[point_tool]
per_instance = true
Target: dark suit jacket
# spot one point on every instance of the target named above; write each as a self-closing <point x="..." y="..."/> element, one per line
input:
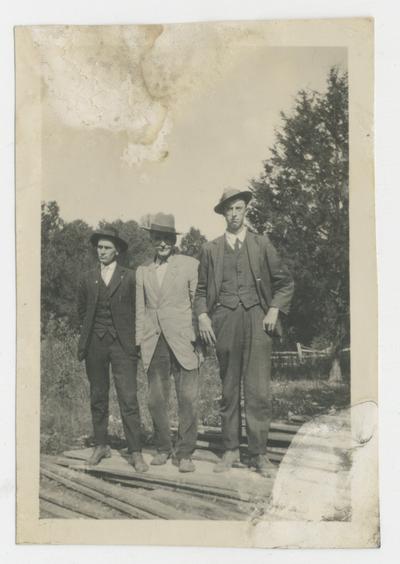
<point x="122" y="298"/>
<point x="273" y="281"/>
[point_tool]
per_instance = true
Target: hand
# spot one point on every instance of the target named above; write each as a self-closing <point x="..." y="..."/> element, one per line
<point x="205" y="329"/>
<point x="270" y="320"/>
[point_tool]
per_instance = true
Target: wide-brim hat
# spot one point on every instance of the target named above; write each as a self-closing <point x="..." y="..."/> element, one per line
<point x="232" y="194"/>
<point x="109" y="233"/>
<point x="162" y="223"/>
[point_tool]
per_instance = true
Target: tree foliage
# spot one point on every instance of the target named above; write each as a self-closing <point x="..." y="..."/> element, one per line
<point x="301" y="199"/>
<point x="66" y="253"/>
<point x="139" y="245"/>
<point x="192" y="242"/>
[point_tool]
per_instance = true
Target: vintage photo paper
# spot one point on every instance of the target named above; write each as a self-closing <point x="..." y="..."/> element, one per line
<point x="247" y="418"/>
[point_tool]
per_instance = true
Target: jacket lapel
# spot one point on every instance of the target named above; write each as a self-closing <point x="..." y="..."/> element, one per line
<point x="152" y="278"/>
<point x="96" y="281"/>
<point x="217" y="255"/>
<point x="253" y="252"/>
<point x="116" y="279"/>
<point x="169" y="276"/>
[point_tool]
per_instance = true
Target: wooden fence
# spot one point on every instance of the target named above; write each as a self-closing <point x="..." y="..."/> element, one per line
<point x="303" y="356"/>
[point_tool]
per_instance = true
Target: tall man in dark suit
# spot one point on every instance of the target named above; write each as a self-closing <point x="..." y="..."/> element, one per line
<point x="106" y="308"/>
<point x="242" y="290"/>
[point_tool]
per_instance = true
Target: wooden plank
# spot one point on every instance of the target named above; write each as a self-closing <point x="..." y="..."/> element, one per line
<point x="181" y="482"/>
<point x="64" y="499"/>
<point x="273" y="437"/>
<point x="157" y="474"/>
<point x="92" y="493"/>
<point x="279" y="426"/>
<point x="283" y="427"/>
<point x="206" y="507"/>
<point x="50" y="510"/>
<point x="213" y="441"/>
<point x="137" y="505"/>
<point x="43" y="514"/>
<point x="274" y="453"/>
<point x="300" y="418"/>
<point x="229" y="505"/>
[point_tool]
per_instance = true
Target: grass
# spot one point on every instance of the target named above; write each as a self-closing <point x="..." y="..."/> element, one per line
<point x="65" y="407"/>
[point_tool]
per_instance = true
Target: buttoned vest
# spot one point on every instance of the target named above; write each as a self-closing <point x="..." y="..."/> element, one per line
<point x="238" y="284"/>
<point x="103" y="321"/>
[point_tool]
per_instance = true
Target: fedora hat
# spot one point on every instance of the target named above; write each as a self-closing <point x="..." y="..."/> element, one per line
<point x="232" y="194"/>
<point x="110" y="233"/>
<point x="163" y="223"/>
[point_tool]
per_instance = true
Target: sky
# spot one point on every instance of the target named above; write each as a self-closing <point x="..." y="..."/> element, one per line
<point x="166" y="133"/>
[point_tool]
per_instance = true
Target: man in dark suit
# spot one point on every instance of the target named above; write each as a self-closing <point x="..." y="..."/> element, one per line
<point x="243" y="289"/>
<point x="106" y="308"/>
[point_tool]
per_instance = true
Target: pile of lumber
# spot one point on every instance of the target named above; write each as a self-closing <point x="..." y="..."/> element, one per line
<point x="113" y="490"/>
<point x="279" y="439"/>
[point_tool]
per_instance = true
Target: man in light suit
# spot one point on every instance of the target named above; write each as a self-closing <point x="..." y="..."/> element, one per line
<point x="243" y="290"/>
<point x="106" y="305"/>
<point x="165" y="291"/>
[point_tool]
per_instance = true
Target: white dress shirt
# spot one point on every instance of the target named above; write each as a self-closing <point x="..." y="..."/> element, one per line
<point x="231" y="237"/>
<point x="161" y="269"/>
<point x="107" y="270"/>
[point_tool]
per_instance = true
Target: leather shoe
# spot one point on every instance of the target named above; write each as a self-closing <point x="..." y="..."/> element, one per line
<point x="186" y="465"/>
<point x="263" y="465"/>
<point x="137" y="461"/>
<point x="228" y="459"/>
<point x="99" y="452"/>
<point x="160" y="458"/>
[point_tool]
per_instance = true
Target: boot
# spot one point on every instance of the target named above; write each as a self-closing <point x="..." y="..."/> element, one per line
<point x="263" y="465"/>
<point x="99" y="452"/>
<point x="137" y="461"/>
<point x="186" y="465"/>
<point x="228" y="459"/>
<point x="160" y="458"/>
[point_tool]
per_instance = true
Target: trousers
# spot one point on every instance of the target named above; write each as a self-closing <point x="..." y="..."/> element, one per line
<point x="159" y="372"/>
<point x="244" y="355"/>
<point x="103" y="353"/>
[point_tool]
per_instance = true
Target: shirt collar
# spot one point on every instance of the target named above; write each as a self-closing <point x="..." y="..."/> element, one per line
<point x="110" y="266"/>
<point x="231" y="237"/>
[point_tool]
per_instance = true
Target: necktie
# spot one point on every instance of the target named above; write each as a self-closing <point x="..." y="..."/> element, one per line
<point x="237" y="245"/>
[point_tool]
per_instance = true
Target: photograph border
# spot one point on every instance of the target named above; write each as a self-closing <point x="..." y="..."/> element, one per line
<point x="357" y="35"/>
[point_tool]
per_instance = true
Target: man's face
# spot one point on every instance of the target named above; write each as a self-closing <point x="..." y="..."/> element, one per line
<point x="234" y="213"/>
<point x="106" y="251"/>
<point x="163" y="243"/>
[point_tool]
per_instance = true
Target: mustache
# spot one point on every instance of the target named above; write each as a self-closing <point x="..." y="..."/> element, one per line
<point x="162" y="246"/>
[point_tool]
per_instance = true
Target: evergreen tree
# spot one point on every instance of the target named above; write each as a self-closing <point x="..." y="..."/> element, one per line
<point x="301" y="199"/>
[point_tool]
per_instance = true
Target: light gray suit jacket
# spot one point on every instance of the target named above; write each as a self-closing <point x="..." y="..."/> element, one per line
<point x="168" y="309"/>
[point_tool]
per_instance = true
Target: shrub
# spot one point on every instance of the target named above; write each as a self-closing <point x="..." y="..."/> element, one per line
<point x="65" y="402"/>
